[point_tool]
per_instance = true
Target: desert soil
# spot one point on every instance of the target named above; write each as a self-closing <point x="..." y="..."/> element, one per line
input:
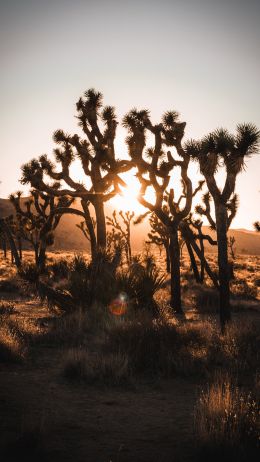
<point x="147" y="422"/>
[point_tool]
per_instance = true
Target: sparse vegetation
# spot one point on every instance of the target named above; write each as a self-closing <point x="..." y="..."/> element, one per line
<point x="76" y="329"/>
<point x="226" y="423"/>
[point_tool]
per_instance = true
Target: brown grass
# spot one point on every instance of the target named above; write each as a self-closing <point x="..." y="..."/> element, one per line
<point x="226" y="422"/>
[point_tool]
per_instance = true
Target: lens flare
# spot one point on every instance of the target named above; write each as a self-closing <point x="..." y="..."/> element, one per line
<point x="118" y="306"/>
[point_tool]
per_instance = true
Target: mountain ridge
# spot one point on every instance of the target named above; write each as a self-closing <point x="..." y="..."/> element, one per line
<point x="69" y="237"/>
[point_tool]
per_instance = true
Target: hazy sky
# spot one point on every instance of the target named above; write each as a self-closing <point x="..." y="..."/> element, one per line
<point x="200" y="57"/>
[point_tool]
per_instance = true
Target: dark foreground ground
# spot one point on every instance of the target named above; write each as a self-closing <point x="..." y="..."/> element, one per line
<point x="45" y="417"/>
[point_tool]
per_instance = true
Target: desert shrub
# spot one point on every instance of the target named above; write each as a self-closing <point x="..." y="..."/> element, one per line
<point x="7" y="308"/>
<point x="57" y="299"/>
<point x="241" y="288"/>
<point x="59" y="269"/>
<point x="236" y="351"/>
<point x="70" y="330"/>
<point x="140" y="282"/>
<point x="158" y="347"/>
<point x="108" y="369"/>
<point x="94" y="281"/>
<point x="206" y="300"/>
<point x="29" y="272"/>
<point x="257" y="282"/>
<point x="226" y="423"/>
<point x="12" y="348"/>
<point x="9" y="285"/>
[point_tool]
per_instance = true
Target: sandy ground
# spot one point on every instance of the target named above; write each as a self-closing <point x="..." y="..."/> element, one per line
<point x="151" y="421"/>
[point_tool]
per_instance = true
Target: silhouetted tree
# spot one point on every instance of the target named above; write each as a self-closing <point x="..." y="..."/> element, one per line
<point x="37" y="218"/>
<point x="220" y="148"/>
<point x="153" y="170"/>
<point x="120" y="234"/>
<point x="160" y="236"/>
<point x="257" y="226"/>
<point x="6" y="230"/>
<point x="100" y="166"/>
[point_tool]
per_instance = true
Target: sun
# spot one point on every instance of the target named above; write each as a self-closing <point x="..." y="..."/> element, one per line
<point x="128" y="200"/>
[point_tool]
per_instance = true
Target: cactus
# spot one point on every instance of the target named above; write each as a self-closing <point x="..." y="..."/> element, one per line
<point x="218" y="150"/>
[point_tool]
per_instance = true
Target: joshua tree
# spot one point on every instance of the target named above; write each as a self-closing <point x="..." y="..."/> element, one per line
<point x="153" y="170"/>
<point x="3" y="242"/>
<point x="6" y="231"/>
<point x="257" y="226"/>
<point x="120" y="235"/>
<point x="221" y="149"/>
<point x="37" y="218"/>
<point x="85" y="229"/>
<point x="231" y="243"/>
<point x="100" y="166"/>
<point x="160" y="236"/>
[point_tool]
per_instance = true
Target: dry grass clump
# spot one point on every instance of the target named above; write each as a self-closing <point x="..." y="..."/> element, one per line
<point x="165" y="348"/>
<point x="241" y="288"/>
<point x="238" y="349"/>
<point x="206" y="300"/>
<point x="159" y="347"/>
<point x="9" y="285"/>
<point x="108" y="369"/>
<point x="227" y="423"/>
<point x="12" y="347"/>
<point x="70" y="330"/>
<point x="6" y="308"/>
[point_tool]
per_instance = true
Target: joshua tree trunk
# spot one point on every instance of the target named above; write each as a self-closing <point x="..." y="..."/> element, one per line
<point x="168" y="262"/>
<point x="190" y="238"/>
<point x="202" y="265"/>
<point x="4" y="247"/>
<point x="42" y="256"/>
<point x="221" y="225"/>
<point x="9" y="236"/>
<point x="20" y="247"/>
<point x="101" y="224"/>
<point x="175" y="272"/>
<point x="36" y="253"/>
<point x="193" y="262"/>
<point x="91" y="230"/>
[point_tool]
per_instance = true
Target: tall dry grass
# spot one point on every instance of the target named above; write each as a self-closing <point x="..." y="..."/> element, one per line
<point x="227" y="422"/>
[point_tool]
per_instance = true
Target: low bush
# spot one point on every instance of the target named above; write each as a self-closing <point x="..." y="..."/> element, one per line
<point x="59" y="269"/>
<point x="12" y="347"/>
<point x="226" y="423"/>
<point x="29" y="272"/>
<point x="241" y="288"/>
<point x="158" y="347"/>
<point x="206" y="300"/>
<point x="6" y="308"/>
<point x="109" y="369"/>
<point x="9" y="285"/>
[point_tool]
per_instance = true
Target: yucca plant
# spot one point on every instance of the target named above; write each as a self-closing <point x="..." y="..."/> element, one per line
<point x="140" y="282"/>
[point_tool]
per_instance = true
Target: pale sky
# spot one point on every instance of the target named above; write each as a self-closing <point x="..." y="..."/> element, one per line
<point x="200" y="57"/>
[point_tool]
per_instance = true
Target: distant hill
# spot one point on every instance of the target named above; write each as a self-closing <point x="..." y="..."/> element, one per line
<point x="69" y="237"/>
